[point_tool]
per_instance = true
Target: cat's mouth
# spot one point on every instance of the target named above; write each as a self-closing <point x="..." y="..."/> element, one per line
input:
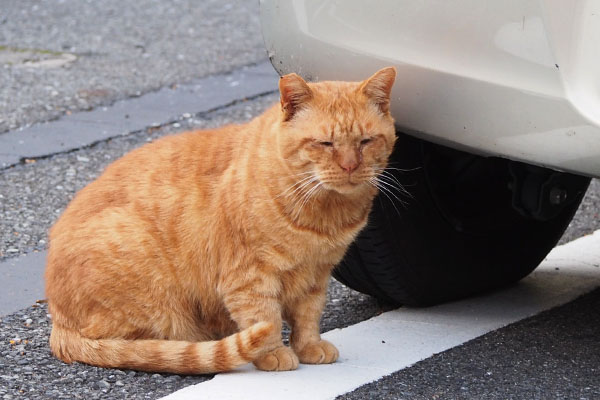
<point x="347" y="185"/>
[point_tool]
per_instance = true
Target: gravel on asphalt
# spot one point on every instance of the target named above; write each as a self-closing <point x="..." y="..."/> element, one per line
<point x="61" y="56"/>
<point x="29" y="371"/>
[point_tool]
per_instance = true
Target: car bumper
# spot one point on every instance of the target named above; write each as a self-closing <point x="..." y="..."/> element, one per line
<point x="518" y="79"/>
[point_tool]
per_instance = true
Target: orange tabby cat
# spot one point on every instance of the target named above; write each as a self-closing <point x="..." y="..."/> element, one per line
<point x="187" y="253"/>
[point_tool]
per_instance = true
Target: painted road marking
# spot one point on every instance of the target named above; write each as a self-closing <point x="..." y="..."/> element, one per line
<point x="398" y="339"/>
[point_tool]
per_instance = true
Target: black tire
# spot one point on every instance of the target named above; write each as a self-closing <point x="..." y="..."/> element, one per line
<point x="463" y="229"/>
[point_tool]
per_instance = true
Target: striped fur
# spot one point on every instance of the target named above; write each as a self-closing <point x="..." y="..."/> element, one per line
<point x="175" y="356"/>
<point x="187" y="254"/>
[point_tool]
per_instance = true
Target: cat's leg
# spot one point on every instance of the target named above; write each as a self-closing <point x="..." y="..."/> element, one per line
<point x="304" y="314"/>
<point x="256" y="300"/>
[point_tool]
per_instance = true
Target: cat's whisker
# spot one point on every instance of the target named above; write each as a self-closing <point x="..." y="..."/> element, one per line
<point x="371" y="181"/>
<point x="399" y="188"/>
<point x="385" y="174"/>
<point x="297" y="185"/>
<point x="388" y="177"/>
<point x="374" y="182"/>
<point x="401" y="169"/>
<point x="393" y="186"/>
<point x="302" y="188"/>
<point x="298" y="195"/>
<point x="301" y="173"/>
<point x="313" y="192"/>
<point x="385" y="193"/>
<point x="389" y="188"/>
<point x="303" y="179"/>
<point x="310" y="193"/>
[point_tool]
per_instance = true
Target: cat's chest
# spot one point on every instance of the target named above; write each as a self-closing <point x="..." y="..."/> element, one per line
<point x="328" y="244"/>
<point x="305" y="252"/>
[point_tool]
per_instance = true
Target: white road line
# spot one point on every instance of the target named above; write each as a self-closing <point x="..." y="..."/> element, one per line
<point x="397" y="339"/>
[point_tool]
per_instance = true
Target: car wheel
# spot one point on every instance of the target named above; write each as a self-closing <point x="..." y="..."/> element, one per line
<point x="468" y="224"/>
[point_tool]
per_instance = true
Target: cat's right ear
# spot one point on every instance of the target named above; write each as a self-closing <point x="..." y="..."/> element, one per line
<point x="294" y="94"/>
<point x="378" y="88"/>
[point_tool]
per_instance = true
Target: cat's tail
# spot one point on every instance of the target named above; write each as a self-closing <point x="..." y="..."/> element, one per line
<point x="173" y="356"/>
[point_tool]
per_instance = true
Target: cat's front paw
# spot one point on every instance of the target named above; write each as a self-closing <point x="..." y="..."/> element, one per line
<point x="280" y="359"/>
<point x="321" y="352"/>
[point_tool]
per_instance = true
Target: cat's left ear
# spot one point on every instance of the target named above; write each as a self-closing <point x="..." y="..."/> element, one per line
<point x="294" y="94"/>
<point x="378" y="88"/>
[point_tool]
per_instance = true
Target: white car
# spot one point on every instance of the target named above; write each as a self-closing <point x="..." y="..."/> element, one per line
<point x="497" y="105"/>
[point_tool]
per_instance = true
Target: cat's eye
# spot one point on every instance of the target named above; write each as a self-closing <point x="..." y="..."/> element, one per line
<point x="326" y="144"/>
<point x="365" y="141"/>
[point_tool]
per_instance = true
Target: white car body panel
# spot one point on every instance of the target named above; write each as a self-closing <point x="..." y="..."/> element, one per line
<point x="513" y="78"/>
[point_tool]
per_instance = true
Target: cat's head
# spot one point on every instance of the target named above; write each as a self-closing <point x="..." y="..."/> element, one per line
<point x="339" y="133"/>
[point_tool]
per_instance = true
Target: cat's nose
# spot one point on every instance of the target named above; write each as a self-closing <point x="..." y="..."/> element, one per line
<point x="349" y="167"/>
<point x="348" y="159"/>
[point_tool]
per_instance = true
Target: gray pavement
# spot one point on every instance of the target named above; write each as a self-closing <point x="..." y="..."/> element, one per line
<point x="61" y="56"/>
<point x="153" y="109"/>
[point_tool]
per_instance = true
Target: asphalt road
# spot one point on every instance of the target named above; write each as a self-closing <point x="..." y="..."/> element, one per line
<point x="124" y="49"/>
<point x="60" y="56"/>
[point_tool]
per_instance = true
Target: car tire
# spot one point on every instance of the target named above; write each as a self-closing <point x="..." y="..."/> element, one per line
<point x="468" y="224"/>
